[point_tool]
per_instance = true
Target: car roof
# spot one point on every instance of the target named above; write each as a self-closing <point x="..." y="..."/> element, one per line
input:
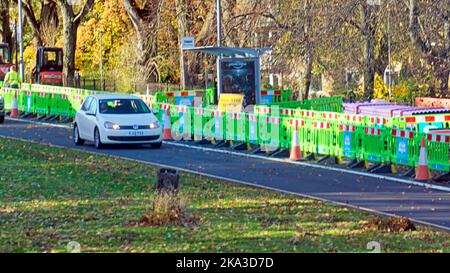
<point x="113" y="96"/>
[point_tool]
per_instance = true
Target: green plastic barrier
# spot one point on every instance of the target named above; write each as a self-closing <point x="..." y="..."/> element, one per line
<point x="8" y="96"/>
<point x="276" y="95"/>
<point x="269" y="131"/>
<point x="53" y="102"/>
<point x="352" y="119"/>
<point x="350" y="141"/>
<point x="286" y="133"/>
<point x="41" y="106"/>
<point x="235" y="127"/>
<point x="64" y="106"/>
<point x="375" y="145"/>
<point x="26" y="101"/>
<point x="405" y="147"/>
<point x="420" y="122"/>
<point x="170" y="97"/>
<point x="182" y="122"/>
<point x="438" y="148"/>
<point x="252" y="129"/>
<point x="214" y="128"/>
<point x="330" y="116"/>
<point x="379" y="122"/>
<point x="163" y="109"/>
<point x="75" y="102"/>
<point x="26" y="87"/>
<point x="309" y="114"/>
<point x="332" y="104"/>
<point x="307" y="139"/>
<point x="322" y="134"/>
<point x="275" y="110"/>
<point x="199" y="123"/>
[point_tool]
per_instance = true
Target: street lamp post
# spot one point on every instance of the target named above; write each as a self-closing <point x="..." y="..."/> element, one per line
<point x="101" y="61"/>
<point x="389" y="51"/>
<point x="20" y="39"/>
<point x="219" y="44"/>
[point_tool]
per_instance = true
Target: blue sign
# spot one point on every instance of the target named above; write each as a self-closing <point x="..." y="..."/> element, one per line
<point x="266" y="99"/>
<point x="347" y="141"/>
<point x="402" y="150"/>
<point x="187" y="101"/>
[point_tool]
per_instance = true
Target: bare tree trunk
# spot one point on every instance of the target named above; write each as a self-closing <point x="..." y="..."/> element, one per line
<point x="146" y="19"/>
<point x="307" y="78"/>
<point x="70" y="41"/>
<point x="33" y="22"/>
<point x="368" y="27"/>
<point x="49" y="22"/>
<point x="382" y="60"/>
<point x="183" y="30"/>
<point x="6" y="30"/>
<point x="71" y="22"/>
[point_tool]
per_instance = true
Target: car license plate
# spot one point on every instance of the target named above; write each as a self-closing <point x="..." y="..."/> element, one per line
<point x="136" y="133"/>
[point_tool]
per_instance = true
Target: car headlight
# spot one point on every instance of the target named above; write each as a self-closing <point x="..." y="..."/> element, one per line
<point x="155" y="125"/>
<point x="111" y="126"/>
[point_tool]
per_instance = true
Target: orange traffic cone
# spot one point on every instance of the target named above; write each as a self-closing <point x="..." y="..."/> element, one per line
<point x="167" y="127"/>
<point x="423" y="173"/>
<point x="296" y="153"/>
<point x="15" y="107"/>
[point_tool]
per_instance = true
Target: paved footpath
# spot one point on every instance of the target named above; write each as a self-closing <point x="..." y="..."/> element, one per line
<point x="421" y="204"/>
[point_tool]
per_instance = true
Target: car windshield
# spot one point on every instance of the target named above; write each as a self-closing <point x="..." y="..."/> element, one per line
<point x="123" y="106"/>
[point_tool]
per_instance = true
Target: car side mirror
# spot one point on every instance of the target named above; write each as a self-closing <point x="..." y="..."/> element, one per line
<point x="89" y="113"/>
<point x="155" y="111"/>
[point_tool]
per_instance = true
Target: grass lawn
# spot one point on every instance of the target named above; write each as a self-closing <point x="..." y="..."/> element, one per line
<point x="51" y="196"/>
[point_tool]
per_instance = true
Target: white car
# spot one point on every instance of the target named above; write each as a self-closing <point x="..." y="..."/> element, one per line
<point x="116" y="119"/>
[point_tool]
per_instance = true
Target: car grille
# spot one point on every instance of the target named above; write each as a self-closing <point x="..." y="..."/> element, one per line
<point x="133" y="138"/>
<point x="140" y="127"/>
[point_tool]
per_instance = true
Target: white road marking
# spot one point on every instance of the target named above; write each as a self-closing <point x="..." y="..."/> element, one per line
<point x="241" y="182"/>
<point x="286" y="161"/>
<point x="40" y="123"/>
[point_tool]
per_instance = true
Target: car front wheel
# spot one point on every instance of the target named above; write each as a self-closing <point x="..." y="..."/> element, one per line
<point x="76" y="136"/>
<point x="97" y="141"/>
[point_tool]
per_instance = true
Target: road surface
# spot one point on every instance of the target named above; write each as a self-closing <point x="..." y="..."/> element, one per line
<point x="421" y="204"/>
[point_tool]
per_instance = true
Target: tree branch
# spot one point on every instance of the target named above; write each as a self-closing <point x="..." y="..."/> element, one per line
<point x="414" y="26"/>
<point x="133" y="13"/>
<point x="33" y="22"/>
<point x="80" y="16"/>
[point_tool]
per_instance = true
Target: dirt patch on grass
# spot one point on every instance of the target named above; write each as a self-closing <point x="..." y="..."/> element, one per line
<point x="391" y="224"/>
